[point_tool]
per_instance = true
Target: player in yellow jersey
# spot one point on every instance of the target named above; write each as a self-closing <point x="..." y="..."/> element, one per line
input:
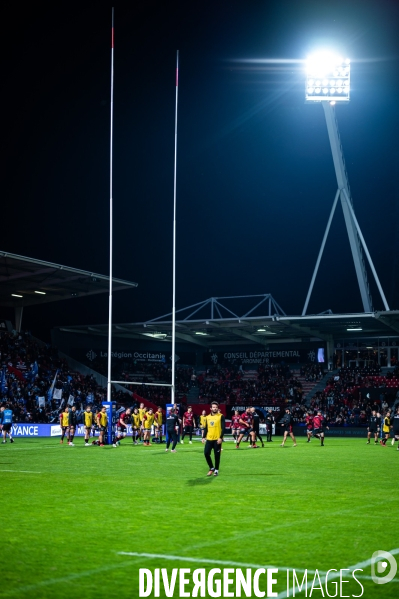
<point x="102" y="421"/>
<point x="88" y="423"/>
<point x="64" y="423"/>
<point x="142" y="412"/>
<point x="135" y="425"/>
<point x="158" y="424"/>
<point x="148" y="421"/>
<point x="386" y="427"/>
<point x="213" y="438"/>
<point x="202" y="423"/>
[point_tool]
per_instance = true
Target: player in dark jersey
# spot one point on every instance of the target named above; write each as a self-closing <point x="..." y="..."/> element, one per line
<point x="319" y="424"/>
<point x="373" y="427"/>
<point x="269" y="425"/>
<point x="172" y="428"/>
<point x="245" y="423"/>
<point x="188" y="425"/>
<point x="309" y="425"/>
<point x="255" y="428"/>
<point x="395" y="427"/>
<point x="73" y="423"/>
<point x="121" y="427"/>
<point x="286" y="422"/>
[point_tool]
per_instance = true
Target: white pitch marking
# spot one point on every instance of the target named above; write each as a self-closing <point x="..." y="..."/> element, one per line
<point x="24" y="471"/>
<point x="197" y="560"/>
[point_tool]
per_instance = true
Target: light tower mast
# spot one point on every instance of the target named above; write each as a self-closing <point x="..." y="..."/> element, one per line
<point x="328" y="82"/>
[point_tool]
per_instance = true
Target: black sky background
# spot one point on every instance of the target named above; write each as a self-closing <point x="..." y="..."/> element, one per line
<point x="255" y="174"/>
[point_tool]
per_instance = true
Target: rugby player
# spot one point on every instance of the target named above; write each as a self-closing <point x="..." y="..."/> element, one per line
<point x="121" y="427"/>
<point x="148" y="421"/>
<point x="142" y="411"/>
<point x="269" y="425"/>
<point x="309" y="425"/>
<point x="172" y="428"/>
<point x="158" y="425"/>
<point x="102" y="421"/>
<point x="255" y="427"/>
<point x="213" y="438"/>
<point x="64" y="424"/>
<point x="245" y="423"/>
<point x="373" y="427"/>
<point x="188" y="424"/>
<point x="135" y="426"/>
<point x="6" y="421"/>
<point x="319" y="423"/>
<point x="395" y="424"/>
<point x="287" y="423"/>
<point x="386" y="427"/>
<point x="235" y="425"/>
<point x="202" y="423"/>
<point x="88" y="423"/>
<point x="73" y="422"/>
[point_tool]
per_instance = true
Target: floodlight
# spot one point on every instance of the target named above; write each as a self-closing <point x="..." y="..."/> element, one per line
<point x="327" y="71"/>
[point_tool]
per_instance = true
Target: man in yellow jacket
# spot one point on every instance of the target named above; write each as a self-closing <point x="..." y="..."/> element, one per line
<point x="213" y="438"/>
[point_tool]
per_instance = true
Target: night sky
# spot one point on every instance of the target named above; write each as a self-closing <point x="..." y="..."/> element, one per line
<point x="255" y="174"/>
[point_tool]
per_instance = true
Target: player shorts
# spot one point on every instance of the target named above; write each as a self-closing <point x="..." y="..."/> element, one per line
<point x="318" y="431"/>
<point x="7" y="427"/>
<point x="188" y="428"/>
<point x="102" y="429"/>
<point x="64" y="428"/>
<point x="373" y="431"/>
<point x="244" y="431"/>
<point x="121" y="430"/>
<point x="233" y="430"/>
<point x="395" y="434"/>
<point x="288" y="430"/>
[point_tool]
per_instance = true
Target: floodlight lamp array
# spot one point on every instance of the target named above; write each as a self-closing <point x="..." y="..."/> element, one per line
<point x="327" y="79"/>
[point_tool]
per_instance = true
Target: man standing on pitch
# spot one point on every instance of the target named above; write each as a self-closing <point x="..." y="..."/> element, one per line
<point x="213" y="438"/>
<point x="287" y="423"/>
<point x="172" y="427"/>
<point x="6" y="421"/>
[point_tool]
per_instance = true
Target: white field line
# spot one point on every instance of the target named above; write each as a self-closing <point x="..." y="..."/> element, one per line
<point x="197" y="560"/>
<point x="23" y="471"/>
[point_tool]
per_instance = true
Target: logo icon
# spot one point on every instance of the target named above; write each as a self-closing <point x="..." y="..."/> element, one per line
<point x="214" y="358"/>
<point x="379" y="563"/>
<point x="312" y="355"/>
<point x="91" y="355"/>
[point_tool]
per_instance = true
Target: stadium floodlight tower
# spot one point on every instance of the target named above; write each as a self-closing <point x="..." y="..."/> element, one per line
<point x="328" y="82"/>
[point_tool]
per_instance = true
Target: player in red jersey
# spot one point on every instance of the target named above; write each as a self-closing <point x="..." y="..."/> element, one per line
<point x="319" y="423"/>
<point x="235" y="425"/>
<point x="309" y="425"/>
<point x="121" y="427"/>
<point x="245" y="423"/>
<point x="188" y="424"/>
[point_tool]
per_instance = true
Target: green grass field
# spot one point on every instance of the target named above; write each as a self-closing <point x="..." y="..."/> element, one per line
<point x="67" y="512"/>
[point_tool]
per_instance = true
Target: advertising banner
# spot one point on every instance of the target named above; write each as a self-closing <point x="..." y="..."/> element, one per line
<point x="272" y="356"/>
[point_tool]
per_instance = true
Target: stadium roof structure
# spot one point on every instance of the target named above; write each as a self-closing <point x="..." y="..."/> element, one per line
<point x="212" y="323"/>
<point x="29" y="282"/>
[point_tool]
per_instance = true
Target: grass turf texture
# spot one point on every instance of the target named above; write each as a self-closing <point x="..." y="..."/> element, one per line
<point x="66" y="517"/>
